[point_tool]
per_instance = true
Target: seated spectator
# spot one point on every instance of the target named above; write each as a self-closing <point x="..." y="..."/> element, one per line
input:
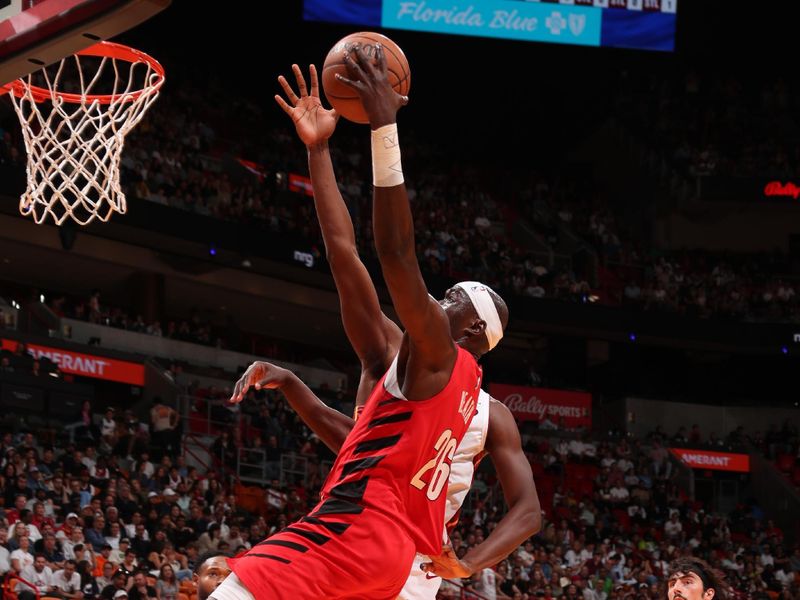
<point x="40" y="576"/>
<point x="67" y="582"/>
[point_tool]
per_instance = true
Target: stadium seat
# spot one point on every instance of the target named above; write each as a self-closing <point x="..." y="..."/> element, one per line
<point x="785" y="462"/>
<point x="622" y="517"/>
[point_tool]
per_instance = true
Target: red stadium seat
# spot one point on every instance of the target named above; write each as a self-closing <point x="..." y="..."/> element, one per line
<point x="622" y="518"/>
<point x="785" y="462"/>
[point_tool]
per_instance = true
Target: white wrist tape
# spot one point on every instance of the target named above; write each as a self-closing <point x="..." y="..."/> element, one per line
<point x="387" y="171"/>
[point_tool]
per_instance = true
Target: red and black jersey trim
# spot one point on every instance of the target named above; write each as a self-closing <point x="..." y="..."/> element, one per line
<point x="317" y="538"/>
<point x="333" y="526"/>
<point x="269" y="556"/>
<point x="336" y="506"/>
<point x="360" y="464"/>
<point x="377" y="444"/>
<point x="351" y="490"/>
<point x="395" y="418"/>
<point x="285" y="544"/>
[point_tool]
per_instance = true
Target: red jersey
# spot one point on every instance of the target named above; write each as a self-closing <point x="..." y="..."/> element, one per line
<point x="396" y="460"/>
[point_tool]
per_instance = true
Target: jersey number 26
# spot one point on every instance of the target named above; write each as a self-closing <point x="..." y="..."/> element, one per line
<point x="445" y="448"/>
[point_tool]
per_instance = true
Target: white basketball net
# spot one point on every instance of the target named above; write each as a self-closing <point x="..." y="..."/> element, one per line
<point x="75" y="146"/>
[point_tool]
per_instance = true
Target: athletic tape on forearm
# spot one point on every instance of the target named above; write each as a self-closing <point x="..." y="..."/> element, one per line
<point x="387" y="171"/>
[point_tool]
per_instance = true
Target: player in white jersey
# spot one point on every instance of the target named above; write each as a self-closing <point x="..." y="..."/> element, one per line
<point x="462" y="469"/>
<point x="376" y="341"/>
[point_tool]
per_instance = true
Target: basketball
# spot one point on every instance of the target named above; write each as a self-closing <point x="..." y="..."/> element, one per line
<point x="345" y="99"/>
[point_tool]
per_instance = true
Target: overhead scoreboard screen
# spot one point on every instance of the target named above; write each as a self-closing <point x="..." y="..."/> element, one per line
<point x="640" y="24"/>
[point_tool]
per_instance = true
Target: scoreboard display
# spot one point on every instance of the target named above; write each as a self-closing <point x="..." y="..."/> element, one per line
<point x="639" y="24"/>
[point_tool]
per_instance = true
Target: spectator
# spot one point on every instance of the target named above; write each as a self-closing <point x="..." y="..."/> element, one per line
<point x="40" y="576"/>
<point x="67" y="581"/>
<point x="141" y="590"/>
<point x="21" y="558"/>
<point x="5" y="555"/>
<point x="167" y="584"/>
<point x="164" y="423"/>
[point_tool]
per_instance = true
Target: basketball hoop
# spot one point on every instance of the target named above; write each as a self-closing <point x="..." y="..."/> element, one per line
<point x="74" y="135"/>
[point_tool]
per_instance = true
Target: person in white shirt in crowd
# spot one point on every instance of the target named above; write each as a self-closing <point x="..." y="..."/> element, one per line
<point x="623" y="464"/>
<point x="107" y="578"/>
<point x="733" y="563"/>
<point x="619" y="493"/>
<point x="68" y="545"/>
<point x="89" y="458"/>
<point x="114" y="535"/>
<point x="574" y="556"/>
<point x="766" y="557"/>
<point x="67" y="581"/>
<point x="576" y="448"/>
<point x="587" y="516"/>
<point x="118" y="554"/>
<point x="108" y="427"/>
<point x="5" y="555"/>
<point x="485" y="583"/>
<point x="673" y="527"/>
<point x="526" y="554"/>
<point x="21" y="558"/>
<point x="37" y="574"/>
<point x="607" y="461"/>
<point x="696" y="540"/>
<point x="33" y="532"/>
<point x="637" y="512"/>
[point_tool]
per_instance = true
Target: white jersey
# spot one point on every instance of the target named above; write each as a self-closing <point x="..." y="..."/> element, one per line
<point x="424" y="586"/>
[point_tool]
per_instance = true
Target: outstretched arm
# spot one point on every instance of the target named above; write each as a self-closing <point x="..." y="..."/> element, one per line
<point x="524" y="516"/>
<point x="425" y="322"/>
<point x="374" y="337"/>
<point x="330" y="425"/>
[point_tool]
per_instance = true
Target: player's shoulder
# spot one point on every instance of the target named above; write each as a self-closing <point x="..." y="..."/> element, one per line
<point x="502" y="425"/>
<point x="496" y="407"/>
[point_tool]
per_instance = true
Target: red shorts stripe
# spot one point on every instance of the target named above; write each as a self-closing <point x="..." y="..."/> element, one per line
<point x="369" y="559"/>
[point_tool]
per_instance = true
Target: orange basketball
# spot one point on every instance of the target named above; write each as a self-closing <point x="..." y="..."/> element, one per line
<point x="345" y="99"/>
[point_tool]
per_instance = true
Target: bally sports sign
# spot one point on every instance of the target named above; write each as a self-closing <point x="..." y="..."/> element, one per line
<point x="573" y="409"/>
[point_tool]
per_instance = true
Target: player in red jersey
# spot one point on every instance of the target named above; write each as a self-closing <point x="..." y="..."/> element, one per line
<point x="376" y="339"/>
<point x="383" y="499"/>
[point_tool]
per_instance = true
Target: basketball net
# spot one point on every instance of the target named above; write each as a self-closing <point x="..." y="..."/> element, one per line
<point x="74" y="140"/>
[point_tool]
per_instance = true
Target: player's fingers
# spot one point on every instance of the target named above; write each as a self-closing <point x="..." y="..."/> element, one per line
<point x="282" y="103"/>
<point x="348" y="82"/>
<point x="238" y="390"/>
<point x="287" y="89"/>
<point x="312" y="74"/>
<point x="234" y="394"/>
<point x="353" y="66"/>
<point x="381" y="57"/>
<point x="301" y="82"/>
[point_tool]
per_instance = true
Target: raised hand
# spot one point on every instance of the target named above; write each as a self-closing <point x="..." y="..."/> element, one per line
<point x="369" y="79"/>
<point x="314" y="123"/>
<point x="262" y="375"/>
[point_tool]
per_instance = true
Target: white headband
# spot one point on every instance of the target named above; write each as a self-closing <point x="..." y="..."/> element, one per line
<point x="484" y="305"/>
